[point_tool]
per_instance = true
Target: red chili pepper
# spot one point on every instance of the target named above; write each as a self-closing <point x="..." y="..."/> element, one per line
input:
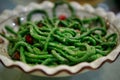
<point x="29" y="39"/>
<point x="62" y="17"/>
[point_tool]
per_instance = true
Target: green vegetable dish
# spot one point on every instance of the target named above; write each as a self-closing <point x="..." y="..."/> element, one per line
<point x="59" y="40"/>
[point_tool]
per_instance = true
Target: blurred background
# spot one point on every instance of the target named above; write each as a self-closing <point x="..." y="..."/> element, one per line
<point x="106" y="72"/>
<point x="112" y="5"/>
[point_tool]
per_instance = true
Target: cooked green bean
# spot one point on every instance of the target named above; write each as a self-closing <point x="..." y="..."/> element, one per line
<point x="48" y="61"/>
<point x="61" y="3"/>
<point x="21" y="43"/>
<point x="112" y="36"/>
<point x="60" y="58"/>
<point x="36" y="56"/>
<point x="9" y="29"/>
<point x="22" y="55"/>
<point x="54" y="42"/>
<point x="94" y="57"/>
<point x="36" y="11"/>
<point x="48" y="38"/>
<point x="90" y="39"/>
<point x="33" y="61"/>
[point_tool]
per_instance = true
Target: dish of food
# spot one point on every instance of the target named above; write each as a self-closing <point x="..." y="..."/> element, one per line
<point x="58" y="43"/>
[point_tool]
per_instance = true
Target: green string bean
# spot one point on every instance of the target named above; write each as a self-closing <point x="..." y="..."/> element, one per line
<point x="56" y="42"/>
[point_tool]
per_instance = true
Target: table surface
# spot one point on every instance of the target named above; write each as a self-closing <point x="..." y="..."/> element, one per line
<point x="106" y="72"/>
<point x="109" y="71"/>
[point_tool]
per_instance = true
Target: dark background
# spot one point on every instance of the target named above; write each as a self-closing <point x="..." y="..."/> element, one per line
<point x="112" y="5"/>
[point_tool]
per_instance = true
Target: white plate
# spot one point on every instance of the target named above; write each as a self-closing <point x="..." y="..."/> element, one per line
<point x="63" y="70"/>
